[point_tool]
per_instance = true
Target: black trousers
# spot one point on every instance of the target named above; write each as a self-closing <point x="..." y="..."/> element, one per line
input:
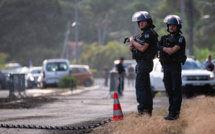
<point x="143" y="87"/>
<point x="121" y="84"/>
<point x="172" y="82"/>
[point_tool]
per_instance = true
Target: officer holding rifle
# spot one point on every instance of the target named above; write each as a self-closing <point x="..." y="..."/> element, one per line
<point x="143" y="48"/>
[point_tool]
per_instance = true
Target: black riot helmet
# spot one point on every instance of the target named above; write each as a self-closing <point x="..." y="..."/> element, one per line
<point x="173" y="20"/>
<point x="143" y="15"/>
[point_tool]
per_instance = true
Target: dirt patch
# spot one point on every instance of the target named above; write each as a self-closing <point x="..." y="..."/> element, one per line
<point x="28" y="102"/>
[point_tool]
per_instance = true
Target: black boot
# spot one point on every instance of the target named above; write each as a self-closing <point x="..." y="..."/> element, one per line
<point x="171" y="116"/>
<point x="143" y="112"/>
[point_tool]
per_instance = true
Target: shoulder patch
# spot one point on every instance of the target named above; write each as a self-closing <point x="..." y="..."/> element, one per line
<point x="180" y="40"/>
<point x="146" y="35"/>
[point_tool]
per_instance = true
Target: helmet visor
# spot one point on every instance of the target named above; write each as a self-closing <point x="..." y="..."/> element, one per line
<point x="168" y="17"/>
<point x="140" y="15"/>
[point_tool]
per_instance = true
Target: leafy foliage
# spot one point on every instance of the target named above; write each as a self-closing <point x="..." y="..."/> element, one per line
<point x="35" y="29"/>
<point x="206" y="25"/>
<point x="97" y="56"/>
<point x="202" y="54"/>
<point x="30" y="28"/>
<point x="67" y="82"/>
<point x="3" y="57"/>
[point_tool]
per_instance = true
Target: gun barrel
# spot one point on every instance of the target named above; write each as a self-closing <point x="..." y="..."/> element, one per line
<point x="126" y="39"/>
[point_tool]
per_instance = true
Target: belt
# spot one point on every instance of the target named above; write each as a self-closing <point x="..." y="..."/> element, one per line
<point x="143" y="60"/>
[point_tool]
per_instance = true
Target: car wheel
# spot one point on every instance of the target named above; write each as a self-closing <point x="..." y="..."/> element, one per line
<point x="87" y="83"/>
<point x="28" y="85"/>
<point x="42" y="85"/>
<point x="34" y="86"/>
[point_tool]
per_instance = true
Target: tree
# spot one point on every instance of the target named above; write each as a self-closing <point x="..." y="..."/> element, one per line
<point x="206" y="25"/>
<point x="190" y="23"/>
<point x="168" y="7"/>
<point x="100" y="21"/>
<point x="35" y="30"/>
<point x="3" y="57"/>
<point x="31" y="30"/>
<point x="97" y="56"/>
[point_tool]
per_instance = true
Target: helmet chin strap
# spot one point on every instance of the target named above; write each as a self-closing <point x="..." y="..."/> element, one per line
<point x="173" y="32"/>
<point x="144" y="28"/>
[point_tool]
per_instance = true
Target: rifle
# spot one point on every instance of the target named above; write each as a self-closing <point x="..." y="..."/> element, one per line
<point x="126" y="39"/>
<point x="135" y="52"/>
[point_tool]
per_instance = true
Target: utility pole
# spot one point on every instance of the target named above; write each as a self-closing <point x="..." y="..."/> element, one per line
<point x="64" y="53"/>
<point x="76" y="32"/>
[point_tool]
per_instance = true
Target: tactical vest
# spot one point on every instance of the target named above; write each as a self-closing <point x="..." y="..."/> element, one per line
<point x="150" y="52"/>
<point x="178" y="56"/>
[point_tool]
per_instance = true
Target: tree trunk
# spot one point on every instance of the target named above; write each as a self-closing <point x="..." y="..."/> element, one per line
<point x="105" y="23"/>
<point x="99" y="36"/>
<point x="102" y="29"/>
<point x="190" y="24"/>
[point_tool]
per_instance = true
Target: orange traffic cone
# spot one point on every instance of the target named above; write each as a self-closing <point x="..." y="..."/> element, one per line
<point x="117" y="112"/>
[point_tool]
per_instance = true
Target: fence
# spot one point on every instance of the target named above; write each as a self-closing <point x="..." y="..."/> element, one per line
<point x="16" y="83"/>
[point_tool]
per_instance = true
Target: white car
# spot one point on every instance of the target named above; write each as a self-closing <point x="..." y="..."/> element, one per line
<point x="32" y="76"/>
<point x="195" y="79"/>
<point x="53" y="70"/>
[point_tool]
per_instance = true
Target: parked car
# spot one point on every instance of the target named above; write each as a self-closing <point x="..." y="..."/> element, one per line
<point x="12" y="66"/>
<point x="3" y="80"/>
<point x="53" y="70"/>
<point x="82" y="74"/>
<point x="32" y="77"/>
<point x="195" y="79"/>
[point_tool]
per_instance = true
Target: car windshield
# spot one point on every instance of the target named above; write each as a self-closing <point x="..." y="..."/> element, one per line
<point x="192" y="65"/>
<point x="57" y="67"/>
<point x="35" y="71"/>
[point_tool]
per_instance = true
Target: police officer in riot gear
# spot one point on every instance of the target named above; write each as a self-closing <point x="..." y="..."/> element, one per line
<point x="172" y="55"/>
<point x="143" y="47"/>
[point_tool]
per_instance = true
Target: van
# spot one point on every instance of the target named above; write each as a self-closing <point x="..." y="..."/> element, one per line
<point x="53" y="70"/>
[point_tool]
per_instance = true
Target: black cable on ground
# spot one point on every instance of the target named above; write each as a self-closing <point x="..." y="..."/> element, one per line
<point x="51" y="127"/>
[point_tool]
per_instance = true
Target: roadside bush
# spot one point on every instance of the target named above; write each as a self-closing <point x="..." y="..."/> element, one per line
<point x="201" y="54"/>
<point x="67" y="82"/>
<point x="3" y="57"/>
<point x="97" y="56"/>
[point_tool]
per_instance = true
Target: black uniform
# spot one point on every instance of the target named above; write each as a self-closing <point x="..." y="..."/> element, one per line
<point x="121" y="72"/>
<point x="143" y="68"/>
<point x="172" y="70"/>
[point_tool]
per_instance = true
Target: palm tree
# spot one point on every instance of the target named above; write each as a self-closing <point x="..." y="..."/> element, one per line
<point x="208" y="18"/>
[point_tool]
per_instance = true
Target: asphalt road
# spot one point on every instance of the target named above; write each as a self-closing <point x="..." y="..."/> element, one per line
<point x="72" y="107"/>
